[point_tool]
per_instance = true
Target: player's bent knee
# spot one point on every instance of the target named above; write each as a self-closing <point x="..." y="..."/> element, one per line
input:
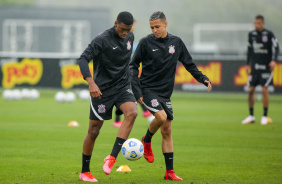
<point x="131" y="114"/>
<point x="94" y="132"/>
<point x="166" y="132"/>
<point x="162" y="119"/>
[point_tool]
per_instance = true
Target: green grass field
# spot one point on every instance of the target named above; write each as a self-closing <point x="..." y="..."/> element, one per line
<point x="210" y="143"/>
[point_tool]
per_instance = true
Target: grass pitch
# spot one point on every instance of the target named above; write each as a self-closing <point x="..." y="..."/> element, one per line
<point x="210" y="143"/>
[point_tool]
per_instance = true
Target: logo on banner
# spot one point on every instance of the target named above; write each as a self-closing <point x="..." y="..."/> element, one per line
<point x="212" y="70"/>
<point x="27" y="71"/>
<point x="128" y="45"/>
<point x="72" y="76"/>
<point x="171" y="49"/>
<point x="101" y="108"/>
<point x="154" y="103"/>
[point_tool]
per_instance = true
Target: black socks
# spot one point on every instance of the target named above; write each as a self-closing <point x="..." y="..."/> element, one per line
<point x="168" y="160"/>
<point x="117" y="118"/>
<point x="117" y="146"/>
<point x="265" y="111"/>
<point x="148" y="136"/>
<point x="251" y="111"/>
<point x="85" y="163"/>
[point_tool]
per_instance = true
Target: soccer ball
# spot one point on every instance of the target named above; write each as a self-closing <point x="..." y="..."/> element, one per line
<point x="7" y="94"/>
<point x="25" y="93"/>
<point x="17" y="95"/>
<point x="60" y="96"/>
<point x="132" y="149"/>
<point x="84" y="95"/>
<point x="34" y="94"/>
<point x="70" y="97"/>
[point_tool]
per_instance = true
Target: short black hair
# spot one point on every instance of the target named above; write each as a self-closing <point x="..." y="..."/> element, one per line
<point x="125" y="17"/>
<point x="260" y="17"/>
<point x="158" y="15"/>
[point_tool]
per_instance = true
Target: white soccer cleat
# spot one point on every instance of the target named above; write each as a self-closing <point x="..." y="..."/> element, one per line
<point x="248" y="120"/>
<point x="264" y="120"/>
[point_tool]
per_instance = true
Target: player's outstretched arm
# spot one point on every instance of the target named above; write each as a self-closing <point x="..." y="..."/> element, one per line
<point x="187" y="61"/>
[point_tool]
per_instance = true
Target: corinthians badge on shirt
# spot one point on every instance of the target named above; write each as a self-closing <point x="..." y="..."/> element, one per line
<point x="171" y="49"/>
<point x="128" y="45"/>
<point x="264" y="38"/>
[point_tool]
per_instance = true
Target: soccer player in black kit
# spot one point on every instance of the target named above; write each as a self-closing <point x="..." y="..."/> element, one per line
<point x="110" y="51"/>
<point x="261" y="60"/>
<point x="159" y="53"/>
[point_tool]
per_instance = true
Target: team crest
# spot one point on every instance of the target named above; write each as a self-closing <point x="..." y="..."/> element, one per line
<point x="154" y="102"/>
<point x="171" y="49"/>
<point x="128" y="45"/>
<point x="101" y="108"/>
<point x="264" y="38"/>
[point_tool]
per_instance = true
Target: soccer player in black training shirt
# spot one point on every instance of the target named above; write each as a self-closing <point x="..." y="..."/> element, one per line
<point x="110" y="51"/>
<point x="159" y="53"/>
<point x="261" y="60"/>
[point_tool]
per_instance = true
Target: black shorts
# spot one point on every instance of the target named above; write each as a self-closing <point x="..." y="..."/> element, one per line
<point x="101" y="109"/>
<point x="155" y="103"/>
<point x="263" y="78"/>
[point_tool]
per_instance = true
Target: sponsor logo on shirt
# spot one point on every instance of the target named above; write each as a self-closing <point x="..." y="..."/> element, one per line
<point x="260" y="67"/>
<point x="128" y="45"/>
<point x="258" y="48"/>
<point x="101" y="108"/>
<point x="171" y="49"/>
<point x="154" y="103"/>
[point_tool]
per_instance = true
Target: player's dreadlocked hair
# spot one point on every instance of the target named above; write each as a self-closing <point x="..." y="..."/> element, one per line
<point x="158" y="15"/>
<point x="125" y="17"/>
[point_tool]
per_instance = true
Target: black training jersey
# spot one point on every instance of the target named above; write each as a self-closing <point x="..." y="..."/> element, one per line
<point x="260" y="49"/>
<point x="159" y="58"/>
<point x="111" y="55"/>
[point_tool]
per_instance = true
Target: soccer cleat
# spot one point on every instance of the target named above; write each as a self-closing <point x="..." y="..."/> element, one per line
<point x="117" y="123"/>
<point x="248" y="120"/>
<point x="146" y="113"/>
<point x="87" y="176"/>
<point x="170" y="175"/>
<point x="264" y="120"/>
<point x="148" y="153"/>
<point x="109" y="162"/>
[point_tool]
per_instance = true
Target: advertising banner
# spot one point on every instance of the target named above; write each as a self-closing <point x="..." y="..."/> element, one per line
<point x="226" y="76"/>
